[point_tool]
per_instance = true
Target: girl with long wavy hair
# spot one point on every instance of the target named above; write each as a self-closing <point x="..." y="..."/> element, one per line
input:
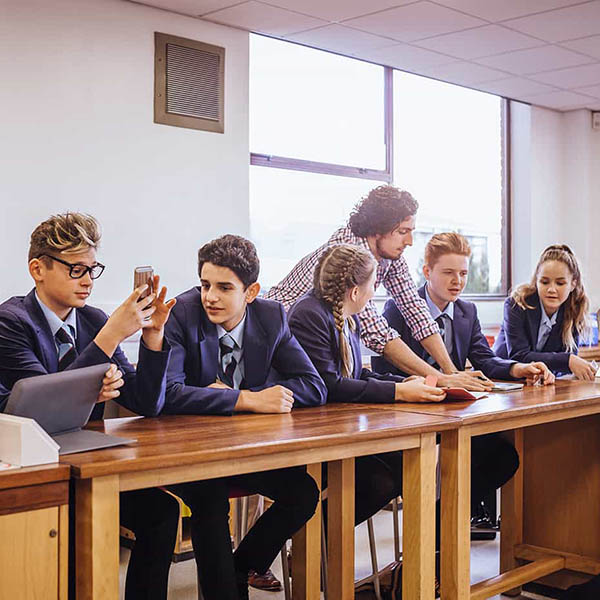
<point x="544" y="319"/>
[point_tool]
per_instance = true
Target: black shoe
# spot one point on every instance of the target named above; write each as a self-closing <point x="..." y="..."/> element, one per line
<point x="584" y="591"/>
<point x="241" y="582"/>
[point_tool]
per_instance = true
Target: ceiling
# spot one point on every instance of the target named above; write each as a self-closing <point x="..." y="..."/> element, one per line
<point x="544" y="52"/>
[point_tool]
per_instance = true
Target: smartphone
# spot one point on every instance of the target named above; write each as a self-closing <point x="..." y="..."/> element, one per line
<point x="142" y="275"/>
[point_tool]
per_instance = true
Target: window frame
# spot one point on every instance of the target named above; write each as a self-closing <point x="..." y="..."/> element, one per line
<point x="387" y="175"/>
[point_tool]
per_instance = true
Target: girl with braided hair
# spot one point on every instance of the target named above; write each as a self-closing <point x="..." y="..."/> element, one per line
<point x="324" y="322"/>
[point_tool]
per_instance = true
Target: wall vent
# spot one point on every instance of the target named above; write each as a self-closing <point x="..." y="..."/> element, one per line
<point x="188" y="83"/>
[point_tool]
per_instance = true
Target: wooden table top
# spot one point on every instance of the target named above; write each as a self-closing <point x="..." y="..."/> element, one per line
<point x="178" y="440"/>
<point x="564" y="394"/>
<point x="26" y="476"/>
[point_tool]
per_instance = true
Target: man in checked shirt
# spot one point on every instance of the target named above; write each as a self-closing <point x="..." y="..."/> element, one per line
<point x="383" y="223"/>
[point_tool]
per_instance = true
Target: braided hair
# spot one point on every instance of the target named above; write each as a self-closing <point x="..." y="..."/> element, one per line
<point x="339" y="269"/>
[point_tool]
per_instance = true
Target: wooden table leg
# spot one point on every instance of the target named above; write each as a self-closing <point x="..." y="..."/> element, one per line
<point x="340" y="529"/>
<point x="512" y="513"/>
<point x="97" y="538"/>
<point x="456" y="513"/>
<point x="306" y="554"/>
<point x="418" y="502"/>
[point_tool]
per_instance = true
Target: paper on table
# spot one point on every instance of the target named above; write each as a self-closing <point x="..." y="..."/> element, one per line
<point x="7" y="466"/>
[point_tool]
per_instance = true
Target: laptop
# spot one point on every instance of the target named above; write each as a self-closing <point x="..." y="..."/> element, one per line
<point x="62" y="403"/>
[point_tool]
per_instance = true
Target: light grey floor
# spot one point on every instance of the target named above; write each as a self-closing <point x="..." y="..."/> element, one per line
<point x="484" y="563"/>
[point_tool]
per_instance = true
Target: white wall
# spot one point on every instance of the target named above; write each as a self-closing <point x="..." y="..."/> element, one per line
<point x="77" y="133"/>
<point x="556" y="190"/>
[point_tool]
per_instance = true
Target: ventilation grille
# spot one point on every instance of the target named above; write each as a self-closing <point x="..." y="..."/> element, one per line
<point x="189" y="83"/>
<point x="193" y="82"/>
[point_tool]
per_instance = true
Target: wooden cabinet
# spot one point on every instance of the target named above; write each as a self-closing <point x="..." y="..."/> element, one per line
<point x="34" y="533"/>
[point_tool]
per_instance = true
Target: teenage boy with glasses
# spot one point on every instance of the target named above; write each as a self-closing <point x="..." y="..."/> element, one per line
<point x="52" y="329"/>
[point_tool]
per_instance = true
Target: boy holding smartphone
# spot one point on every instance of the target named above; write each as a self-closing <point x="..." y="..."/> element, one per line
<point x="52" y="329"/>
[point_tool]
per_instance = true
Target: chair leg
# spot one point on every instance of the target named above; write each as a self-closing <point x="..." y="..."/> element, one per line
<point x="287" y="592"/>
<point x="395" y="517"/>
<point x="374" y="565"/>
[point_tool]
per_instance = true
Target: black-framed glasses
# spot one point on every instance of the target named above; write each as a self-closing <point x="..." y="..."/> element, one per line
<point x="77" y="270"/>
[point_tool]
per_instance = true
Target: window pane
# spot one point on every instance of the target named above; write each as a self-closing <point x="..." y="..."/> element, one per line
<point x="292" y="213"/>
<point x="313" y="105"/>
<point x="448" y="154"/>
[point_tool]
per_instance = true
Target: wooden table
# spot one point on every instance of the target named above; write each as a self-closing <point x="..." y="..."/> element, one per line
<point x="550" y="509"/>
<point x="175" y="449"/>
<point x="34" y="531"/>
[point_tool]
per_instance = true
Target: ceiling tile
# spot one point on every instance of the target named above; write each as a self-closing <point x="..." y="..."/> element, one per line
<point x="590" y="90"/>
<point x="415" y="21"/>
<point x="463" y="73"/>
<point x="573" y="77"/>
<point x="340" y="39"/>
<point x="336" y="10"/>
<point x="495" y="10"/>
<point x="560" y="100"/>
<point x="515" y="87"/>
<point x="589" y="45"/>
<point x="561" y="24"/>
<point x="481" y="41"/>
<point x="255" y="16"/>
<point x="193" y="8"/>
<point x="535" y="60"/>
<point x="406" y="57"/>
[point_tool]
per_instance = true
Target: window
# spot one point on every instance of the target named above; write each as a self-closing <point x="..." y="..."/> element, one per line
<point x="448" y="154"/>
<point x="326" y="129"/>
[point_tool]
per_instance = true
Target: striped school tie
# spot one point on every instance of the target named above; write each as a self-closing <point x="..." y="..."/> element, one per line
<point x="228" y="362"/>
<point x="67" y="352"/>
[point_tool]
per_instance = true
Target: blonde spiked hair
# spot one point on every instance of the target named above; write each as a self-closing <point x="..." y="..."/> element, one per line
<point x="341" y="268"/>
<point x="67" y="233"/>
<point x="577" y="303"/>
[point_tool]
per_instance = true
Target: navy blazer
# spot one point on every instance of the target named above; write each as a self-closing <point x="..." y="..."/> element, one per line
<point x="312" y="322"/>
<point x="468" y="341"/>
<point x="27" y="349"/>
<point x="272" y="356"/>
<point x="519" y="333"/>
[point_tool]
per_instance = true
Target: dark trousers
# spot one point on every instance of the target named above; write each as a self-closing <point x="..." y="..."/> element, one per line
<point x="153" y="516"/>
<point x="377" y="480"/>
<point x="295" y="496"/>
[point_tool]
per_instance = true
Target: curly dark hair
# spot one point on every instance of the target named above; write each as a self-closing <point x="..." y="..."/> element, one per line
<point x="235" y="253"/>
<point x="381" y="210"/>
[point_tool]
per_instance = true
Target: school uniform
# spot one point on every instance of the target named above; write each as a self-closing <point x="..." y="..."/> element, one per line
<point x="493" y="459"/>
<point x="258" y="353"/>
<point x="34" y="341"/>
<point x="378" y="477"/>
<point x="530" y="335"/>
<point x="461" y="332"/>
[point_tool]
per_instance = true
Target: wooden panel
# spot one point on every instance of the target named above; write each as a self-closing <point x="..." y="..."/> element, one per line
<point x="561" y="487"/>
<point x="29" y="563"/>
<point x="340" y="530"/>
<point x="306" y="553"/>
<point x="34" y="475"/>
<point x="251" y="464"/>
<point x="418" y="517"/>
<point x="456" y="514"/>
<point x="171" y="441"/>
<point x="33" y="497"/>
<point x="97" y="544"/>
